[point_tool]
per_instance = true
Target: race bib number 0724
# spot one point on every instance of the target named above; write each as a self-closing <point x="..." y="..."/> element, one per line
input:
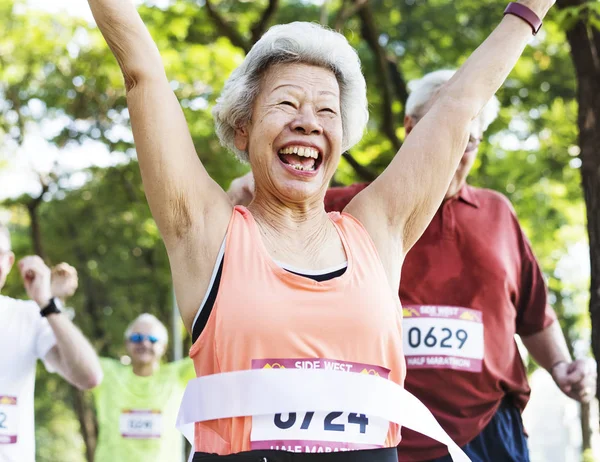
<point x="443" y="337"/>
<point x="318" y="431"/>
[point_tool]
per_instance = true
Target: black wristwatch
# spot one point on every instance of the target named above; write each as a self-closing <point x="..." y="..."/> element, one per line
<point x="54" y="307"/>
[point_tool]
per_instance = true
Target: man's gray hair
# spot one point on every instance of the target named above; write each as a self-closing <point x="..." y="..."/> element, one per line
<point x="4" y="231"/>
<point x="425" y="88"/>
<point x="163" y="333"/>
<point x="297" y="42"/>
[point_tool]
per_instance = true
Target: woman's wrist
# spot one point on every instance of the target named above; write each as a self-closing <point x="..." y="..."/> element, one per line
<point x="539" y="7"/>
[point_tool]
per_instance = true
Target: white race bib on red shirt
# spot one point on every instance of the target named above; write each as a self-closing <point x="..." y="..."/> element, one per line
<point x="443" y="337"/>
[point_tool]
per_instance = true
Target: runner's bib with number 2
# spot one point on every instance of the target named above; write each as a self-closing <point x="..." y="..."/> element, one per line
<point x="141" y="424"/>
<point x="318" y="431"/>
<point x="443" y="337"/>
<point x="8" y="420"/>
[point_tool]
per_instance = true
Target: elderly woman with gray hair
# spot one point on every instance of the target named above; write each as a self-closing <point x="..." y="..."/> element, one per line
<point x="297" y="326"/>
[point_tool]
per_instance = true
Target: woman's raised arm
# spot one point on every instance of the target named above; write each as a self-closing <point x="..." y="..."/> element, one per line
<point x="412" y="187"/>
<point x="180" y="193"/>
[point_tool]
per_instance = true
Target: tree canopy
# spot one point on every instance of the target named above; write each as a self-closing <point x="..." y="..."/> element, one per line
<point x="59" y="81"/>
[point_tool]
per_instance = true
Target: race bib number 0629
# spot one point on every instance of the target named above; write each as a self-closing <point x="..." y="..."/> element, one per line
<point x="318" y="431"/>
<point x="443" y="337"/>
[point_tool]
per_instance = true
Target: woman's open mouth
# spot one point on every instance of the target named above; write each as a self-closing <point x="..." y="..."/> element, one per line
<point x="301" y="158"/>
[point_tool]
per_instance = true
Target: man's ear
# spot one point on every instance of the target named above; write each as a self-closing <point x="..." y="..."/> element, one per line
<point x="241" y="138"/>
<point x="409" y="123"/>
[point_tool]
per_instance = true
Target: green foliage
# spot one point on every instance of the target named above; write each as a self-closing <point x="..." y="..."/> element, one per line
<point x="105" y="229"/>
<point x="58" y="73"/>
<point x="58" y="431"/>
<point x="588" y="11"/>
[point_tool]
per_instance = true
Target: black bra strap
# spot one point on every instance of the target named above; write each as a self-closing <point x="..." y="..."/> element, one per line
<point x="200" y="323"/>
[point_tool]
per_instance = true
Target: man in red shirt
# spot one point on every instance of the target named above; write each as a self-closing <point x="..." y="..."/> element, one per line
<point x="468" y="286"/>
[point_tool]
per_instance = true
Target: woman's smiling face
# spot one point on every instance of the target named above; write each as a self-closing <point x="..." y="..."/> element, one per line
<point x="295" y="136"/>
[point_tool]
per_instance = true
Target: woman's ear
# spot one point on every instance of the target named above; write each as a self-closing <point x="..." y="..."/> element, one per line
<point x="241" y="138"/>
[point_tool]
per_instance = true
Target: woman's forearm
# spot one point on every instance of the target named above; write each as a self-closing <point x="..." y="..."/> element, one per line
<point x="413" y="186"/>
<point x="128" y="39"/>
<point x="486" y="69"/>
<point x="178" y="188"/>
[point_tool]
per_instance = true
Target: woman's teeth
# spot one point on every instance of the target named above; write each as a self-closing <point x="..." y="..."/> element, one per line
<point x="304" y="169"/>
<point x="301" y="151"/>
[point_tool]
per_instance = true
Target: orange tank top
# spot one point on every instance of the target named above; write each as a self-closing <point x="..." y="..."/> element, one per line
<point x="265" y="316"/>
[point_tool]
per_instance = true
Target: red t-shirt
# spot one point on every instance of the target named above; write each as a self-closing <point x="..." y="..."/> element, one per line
<point x="473" y="256"/>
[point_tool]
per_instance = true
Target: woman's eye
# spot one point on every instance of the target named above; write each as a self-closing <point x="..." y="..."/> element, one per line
<point x="288" y="103"/>
<point x="328" y="109"/>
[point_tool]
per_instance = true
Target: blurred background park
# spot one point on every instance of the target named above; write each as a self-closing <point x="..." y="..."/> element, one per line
<point x="71" y="190"/>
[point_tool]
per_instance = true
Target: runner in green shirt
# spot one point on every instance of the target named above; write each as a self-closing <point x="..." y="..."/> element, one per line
<point x="137" y="405"/>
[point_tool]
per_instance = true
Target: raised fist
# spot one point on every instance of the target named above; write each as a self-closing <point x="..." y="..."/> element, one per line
<point x="36" y="278"/>
<point x="64" y="281"/>
<point x="577" y="379"/>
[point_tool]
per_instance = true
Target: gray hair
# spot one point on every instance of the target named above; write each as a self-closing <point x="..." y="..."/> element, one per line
<point x="4" y="231"/>
<point x="163" y="334"/>
<point x="425" y="88"/>
<point x="297" y="42"/>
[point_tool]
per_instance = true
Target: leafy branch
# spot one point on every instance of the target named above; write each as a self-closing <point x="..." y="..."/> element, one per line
<point x="227" y="29"/>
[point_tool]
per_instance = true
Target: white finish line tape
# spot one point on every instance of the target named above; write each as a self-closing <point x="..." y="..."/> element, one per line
<point x="275" y="391"/>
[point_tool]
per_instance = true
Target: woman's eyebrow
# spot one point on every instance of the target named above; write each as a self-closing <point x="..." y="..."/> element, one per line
<point x="330" y="93"/>
<point x="284" y="85"/>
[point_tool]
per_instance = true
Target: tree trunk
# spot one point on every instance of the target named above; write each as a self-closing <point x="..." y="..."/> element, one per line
<point x="83" y="406"/>
<point x="371" y="35"/>
<point x="586" y="427"/>
<point x="36" y="235"/>
<point x="585" y="52"/>
<point x="87" y="422"/>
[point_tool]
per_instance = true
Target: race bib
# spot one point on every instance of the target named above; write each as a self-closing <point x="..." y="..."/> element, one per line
<point x="141" y="424"/>
<point x="318" y="431"/>
<point x="443" y="337"/>
<point x="9" y="419"/>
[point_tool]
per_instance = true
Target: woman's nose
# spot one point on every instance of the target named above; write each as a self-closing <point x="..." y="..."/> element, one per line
<point x="306" y="122"/>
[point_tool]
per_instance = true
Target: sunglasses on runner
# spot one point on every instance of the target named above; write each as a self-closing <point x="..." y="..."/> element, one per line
<point x="139" y="338"/>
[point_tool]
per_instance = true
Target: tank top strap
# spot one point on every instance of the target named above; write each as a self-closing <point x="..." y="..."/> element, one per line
<point x="358" y="239"/>
<point x="241" y="231"/>
<point x="241" y="239"/>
